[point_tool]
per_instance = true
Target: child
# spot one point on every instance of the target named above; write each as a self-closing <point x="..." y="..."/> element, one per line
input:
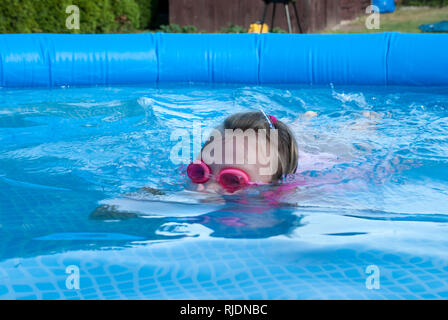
<point x="221" y="168"/>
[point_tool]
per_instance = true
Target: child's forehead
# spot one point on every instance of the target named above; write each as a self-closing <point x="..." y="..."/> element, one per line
<point x="238" y="145"/>
<point x="243" y="150"/>
<point x="250" y="138"/>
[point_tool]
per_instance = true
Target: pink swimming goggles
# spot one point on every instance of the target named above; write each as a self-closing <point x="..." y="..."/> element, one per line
<point x="231" y="179"/>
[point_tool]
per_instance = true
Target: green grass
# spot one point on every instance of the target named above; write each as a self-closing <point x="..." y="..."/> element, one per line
<point x="404" y="19"/>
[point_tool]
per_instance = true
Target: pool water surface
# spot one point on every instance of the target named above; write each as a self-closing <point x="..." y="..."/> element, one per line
<point x="88" y="183"/>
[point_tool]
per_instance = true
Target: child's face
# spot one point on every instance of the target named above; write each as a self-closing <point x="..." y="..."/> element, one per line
<point x="244" y="152"/>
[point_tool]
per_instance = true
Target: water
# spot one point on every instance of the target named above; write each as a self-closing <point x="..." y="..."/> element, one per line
<point x="86" y="181"/>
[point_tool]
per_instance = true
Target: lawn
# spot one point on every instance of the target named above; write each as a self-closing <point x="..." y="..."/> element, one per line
<point x="404" y="19"/>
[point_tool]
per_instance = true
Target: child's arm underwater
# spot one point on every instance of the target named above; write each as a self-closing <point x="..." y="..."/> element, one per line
<point x="152" y="202"/>
<point x="341" y="148"/>
<point x="107" y="211"/>
<point x="336" y="146"/>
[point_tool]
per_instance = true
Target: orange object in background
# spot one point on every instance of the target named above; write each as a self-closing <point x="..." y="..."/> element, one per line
<point x="256" y="27"/>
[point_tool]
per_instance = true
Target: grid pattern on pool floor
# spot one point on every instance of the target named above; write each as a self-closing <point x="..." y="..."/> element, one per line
<point x="204" y="269"/>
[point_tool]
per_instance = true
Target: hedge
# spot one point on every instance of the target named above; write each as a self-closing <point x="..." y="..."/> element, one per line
<point x="96" y="16"/>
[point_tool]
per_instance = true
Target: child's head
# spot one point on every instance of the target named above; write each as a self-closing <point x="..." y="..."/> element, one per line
<point x="248" y="148"/>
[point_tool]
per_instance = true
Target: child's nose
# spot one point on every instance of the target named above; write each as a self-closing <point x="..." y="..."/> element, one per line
<point x="209" y="187"/>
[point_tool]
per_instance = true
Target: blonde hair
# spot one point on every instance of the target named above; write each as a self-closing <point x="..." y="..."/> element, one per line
<point x="288" y="154"/>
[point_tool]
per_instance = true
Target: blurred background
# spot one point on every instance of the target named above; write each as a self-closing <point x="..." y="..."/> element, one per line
<point x="230" y="16"/>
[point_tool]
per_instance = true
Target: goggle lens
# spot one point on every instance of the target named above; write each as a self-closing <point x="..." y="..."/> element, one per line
<point x="232" y="181"/>
<point x="198" y="173"/>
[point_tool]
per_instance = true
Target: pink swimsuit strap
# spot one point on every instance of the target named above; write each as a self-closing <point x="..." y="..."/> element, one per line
<point x="273" y="195"/>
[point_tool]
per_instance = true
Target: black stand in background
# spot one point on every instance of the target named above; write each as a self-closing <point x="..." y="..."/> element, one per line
<point x="288" y="18"/>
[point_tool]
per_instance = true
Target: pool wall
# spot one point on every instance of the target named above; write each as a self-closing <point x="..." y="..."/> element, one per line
<point x="36" y="60"/>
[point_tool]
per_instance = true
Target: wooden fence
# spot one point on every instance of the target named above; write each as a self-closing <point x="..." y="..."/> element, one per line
<point x="213" y="15"/>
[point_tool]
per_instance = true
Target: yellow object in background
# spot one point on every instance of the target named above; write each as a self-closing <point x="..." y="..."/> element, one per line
<point x="256" y="27"/>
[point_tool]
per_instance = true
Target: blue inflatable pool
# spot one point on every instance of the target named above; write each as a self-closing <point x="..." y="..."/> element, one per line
<point x="89" y="189"/>
<point x="29" y="60"/>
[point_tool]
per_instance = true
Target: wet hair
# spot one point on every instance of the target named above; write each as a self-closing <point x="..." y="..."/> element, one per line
<point x="287" y="145"/>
